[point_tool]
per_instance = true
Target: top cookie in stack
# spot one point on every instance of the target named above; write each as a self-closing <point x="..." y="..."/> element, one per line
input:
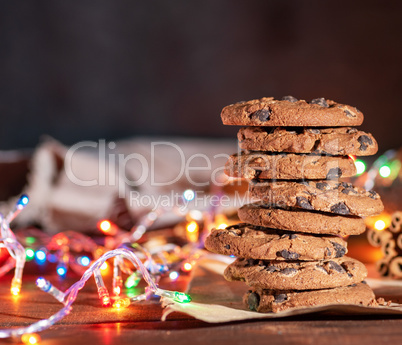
<point x="288" y="248"/>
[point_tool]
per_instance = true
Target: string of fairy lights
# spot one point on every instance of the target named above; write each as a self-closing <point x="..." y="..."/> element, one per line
<point x="79" y="253"/>
<point x="385" y="172"/>
<point x="132" y="262"/>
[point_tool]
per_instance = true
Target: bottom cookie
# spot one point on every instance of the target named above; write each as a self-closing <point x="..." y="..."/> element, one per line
<point x="265" y="301"/>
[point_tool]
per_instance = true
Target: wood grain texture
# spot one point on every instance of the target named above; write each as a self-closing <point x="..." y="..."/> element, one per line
<point x="140" y="324"/>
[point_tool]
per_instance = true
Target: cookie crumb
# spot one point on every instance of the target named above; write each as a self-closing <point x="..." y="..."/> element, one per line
<point x="383" y="302"/>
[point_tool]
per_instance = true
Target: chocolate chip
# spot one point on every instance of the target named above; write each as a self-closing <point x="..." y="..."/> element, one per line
<point x="373" y="194"/>
<point x="304" y="203"/>
<point x="348" y="113"/>
<point x="293" y="236"/>
<point x="290" y="99"/>
<point x="272" y="269"/>
<point x="344" y="184"/>
<point x="353" y="285"/>
<point x="339" y="249"/>
<point x="336" y="267"/>
<point x="340" y="208"/>
<point x="350" y="275"/>
<point x="257" y="173"/>
<point x="321" y="185"/>
<point x="262" y="114"/>
<point x="364" y="282"/>
<point x="320" y="101"/>
<point x="282" y="297"/>
<point x="288" y="255"/>
<point x="253" y="301"/>
<point x="250" y="262"/>
<point x="313" y="131"/>
<point x="329" y="253"/>
<point x="288" y="271"/>
<point x="334" y="173"/>
<point x="364" y="141"/>
<point x="351" y="130"/>
<point x="227" y="246"/>
<point x="348" y="190"/>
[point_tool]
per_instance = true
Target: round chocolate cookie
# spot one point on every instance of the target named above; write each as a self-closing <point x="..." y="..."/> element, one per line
<point x="341" y="141"/>
<point x="266" y="166"/>
<point x="265" y="301"/>
<point x="300" y="220"/>
<point x="255" y="242"/>
<point x="289" y="111"/>
<point x="297" y="275"/>
<point x="328" y="196"/>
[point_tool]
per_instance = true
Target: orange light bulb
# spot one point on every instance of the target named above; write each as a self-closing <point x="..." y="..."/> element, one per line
<point x="187" y="266"/>
<point x="30" y="338"/>
<point x="192" y="227"/>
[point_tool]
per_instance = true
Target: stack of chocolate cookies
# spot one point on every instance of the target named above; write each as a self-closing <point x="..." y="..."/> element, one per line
<point x="291" y="249"/>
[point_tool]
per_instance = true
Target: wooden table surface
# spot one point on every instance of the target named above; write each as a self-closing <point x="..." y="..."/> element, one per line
<point x="91" y="324"/>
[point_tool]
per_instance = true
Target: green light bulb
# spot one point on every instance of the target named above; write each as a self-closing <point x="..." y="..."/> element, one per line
<point x="30" y="253"/>
<point x="385" y="171"/>
<point x="132" y="281"/>
<point x="30" y="240"/>
<point x="181" y="297"/>
<point x="360" y="166"/>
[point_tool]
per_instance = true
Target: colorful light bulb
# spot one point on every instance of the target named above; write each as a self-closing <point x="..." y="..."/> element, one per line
<point x="46" y="286"/>
<point x="15" y="286"/>
<point x="180" y="297"/>
<point x="102" y="290"/>
<point x="61" y="269"/>
<point x="30" y="240"/>
<point x="192" y="227"/>
<point x="104" y="297"/>
<point x="40" y="257"/>
<point x="107" y="227"/>
<point x="360" y="167"/>
<point x="192" y="231"/>
<point x="379" y="225"/>
<point x="117" y="279"/>
<point x="43" y="284"/>
<point x="30" y="338"/>
<point x="173" y="275"/>
<point x="385" y="171"/>
<point x="121" y="303"/>
<point x="84" y="261"/>
<point x="132" y="281"/>
<point x="22" y="202"/>
<point x="188" y="195"/>
<point x="187" y="266"/>
<point x="29" y="253"/>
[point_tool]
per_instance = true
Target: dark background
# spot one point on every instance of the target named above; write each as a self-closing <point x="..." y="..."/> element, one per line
<point x="84" y="70"/>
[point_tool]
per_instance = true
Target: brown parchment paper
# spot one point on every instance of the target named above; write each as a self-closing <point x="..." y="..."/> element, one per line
<point x="216" y="300"/>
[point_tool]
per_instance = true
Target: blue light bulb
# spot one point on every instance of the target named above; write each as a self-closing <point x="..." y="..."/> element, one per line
<point x="84" y="260"/>
<point x="40" y="257"/>
<point x="22" y="201"/>
<point x="61" y="271"/>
